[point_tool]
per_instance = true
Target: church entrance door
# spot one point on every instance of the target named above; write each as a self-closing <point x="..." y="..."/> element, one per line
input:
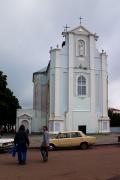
<point x="82" y="128"/>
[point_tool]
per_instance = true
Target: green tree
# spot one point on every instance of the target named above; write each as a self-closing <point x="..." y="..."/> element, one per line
<point x="114" y="118"/>
<point x="8" y="103"/>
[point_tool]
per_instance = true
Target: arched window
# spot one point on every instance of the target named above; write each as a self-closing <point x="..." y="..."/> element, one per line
<point x="81" y="86"/>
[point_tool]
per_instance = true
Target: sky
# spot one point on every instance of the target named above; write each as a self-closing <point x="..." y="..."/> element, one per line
<point x="28" y="28"/>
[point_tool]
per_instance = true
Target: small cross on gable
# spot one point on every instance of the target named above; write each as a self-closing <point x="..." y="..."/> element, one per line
<point x="80" y="18"/>
<point x="65" y="28"/>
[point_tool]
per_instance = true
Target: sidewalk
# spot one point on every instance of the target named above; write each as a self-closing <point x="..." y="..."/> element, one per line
<point x="106" y="139"/>
<point x="101" y="139"/>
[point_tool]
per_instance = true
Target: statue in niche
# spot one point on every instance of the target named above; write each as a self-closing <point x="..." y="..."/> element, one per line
<point x="81" y="48"/>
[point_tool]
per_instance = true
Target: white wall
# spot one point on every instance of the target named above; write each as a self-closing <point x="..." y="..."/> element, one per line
<point x="84" y="118"/>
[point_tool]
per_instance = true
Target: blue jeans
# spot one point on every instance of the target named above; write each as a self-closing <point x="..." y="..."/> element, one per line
<point x="44" y="152"/>
<point x="22" y="154"/>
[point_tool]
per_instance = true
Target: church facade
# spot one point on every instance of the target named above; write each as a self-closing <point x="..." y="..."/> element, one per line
<point x="71" y="93"/>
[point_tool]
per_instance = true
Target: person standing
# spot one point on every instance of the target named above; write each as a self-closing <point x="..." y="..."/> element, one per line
<point x="45" y="144"/>
<point x="21" y="141"/>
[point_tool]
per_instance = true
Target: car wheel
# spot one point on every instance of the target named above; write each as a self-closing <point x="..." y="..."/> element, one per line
<point x="51" y="147"/>
<point x="84" y="145"/>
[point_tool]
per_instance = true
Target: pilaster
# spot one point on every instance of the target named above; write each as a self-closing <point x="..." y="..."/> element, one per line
<point x="104" y="84"/>
<point x="92" y="74"/>
<point x="70" y="71"/>
<point x="57" y="83"/>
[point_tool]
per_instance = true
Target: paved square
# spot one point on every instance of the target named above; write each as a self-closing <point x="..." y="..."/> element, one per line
<point x="97" y="163"/>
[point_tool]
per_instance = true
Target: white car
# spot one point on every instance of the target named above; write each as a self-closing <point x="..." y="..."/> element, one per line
<point x="6" y="143"/>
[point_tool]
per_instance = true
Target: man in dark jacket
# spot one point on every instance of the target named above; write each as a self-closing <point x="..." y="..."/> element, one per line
<point x="21" y="140"/>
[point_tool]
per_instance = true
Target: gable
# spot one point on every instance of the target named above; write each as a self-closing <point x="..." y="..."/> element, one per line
<point x="80" y="30"/>
<point x="24" y="116"/>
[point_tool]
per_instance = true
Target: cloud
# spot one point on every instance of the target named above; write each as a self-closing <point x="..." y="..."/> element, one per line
<point x="29" y="27"/>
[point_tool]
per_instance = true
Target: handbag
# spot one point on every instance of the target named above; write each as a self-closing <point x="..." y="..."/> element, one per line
<point x="13" y="151"/>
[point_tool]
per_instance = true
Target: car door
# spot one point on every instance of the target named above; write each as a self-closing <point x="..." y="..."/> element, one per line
<point x="64" y="140"/>
<point x="76" y="138"/>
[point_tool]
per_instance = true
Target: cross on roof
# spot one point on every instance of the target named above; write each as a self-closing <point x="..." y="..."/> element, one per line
<point x="65" y="28"/>
<point x="80" y="18"/>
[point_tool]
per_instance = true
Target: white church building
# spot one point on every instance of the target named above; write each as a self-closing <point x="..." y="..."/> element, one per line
<point x="71" y="93"/>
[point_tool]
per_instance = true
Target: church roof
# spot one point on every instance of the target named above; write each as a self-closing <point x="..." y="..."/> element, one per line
<point x="42" y="71"/>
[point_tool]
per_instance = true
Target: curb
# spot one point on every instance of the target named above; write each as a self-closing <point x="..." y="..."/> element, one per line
<point x="110" y="144"/>
<point x="95" y="145"/>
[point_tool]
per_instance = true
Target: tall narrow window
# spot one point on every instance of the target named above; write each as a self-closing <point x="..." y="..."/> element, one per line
<point x="81" y="86"/>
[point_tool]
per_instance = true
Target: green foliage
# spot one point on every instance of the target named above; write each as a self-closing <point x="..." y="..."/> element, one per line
<point x="114" y="118"/>
<point x="8" y="103"/>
